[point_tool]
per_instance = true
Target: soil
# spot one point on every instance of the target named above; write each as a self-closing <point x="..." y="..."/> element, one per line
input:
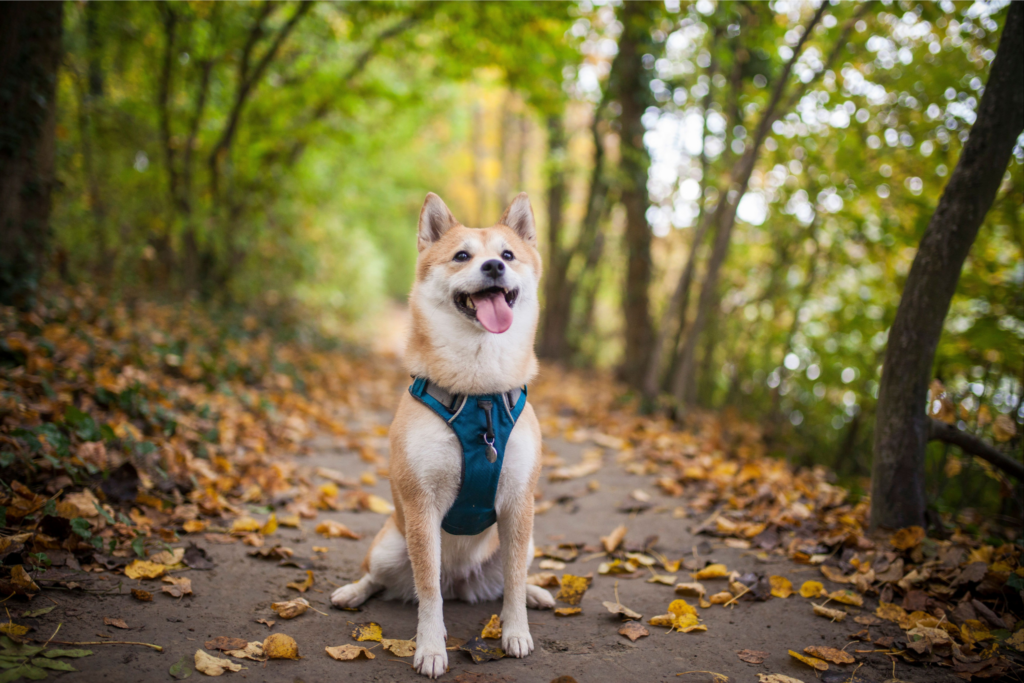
<point x="231" y="597"/>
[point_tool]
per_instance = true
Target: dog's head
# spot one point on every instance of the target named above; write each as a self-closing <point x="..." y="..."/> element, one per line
<point x="476" y="288"/>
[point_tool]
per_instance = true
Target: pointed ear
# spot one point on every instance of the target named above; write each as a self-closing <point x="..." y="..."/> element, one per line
<point x="435" y="220"/>
<point x="519" y="217"/>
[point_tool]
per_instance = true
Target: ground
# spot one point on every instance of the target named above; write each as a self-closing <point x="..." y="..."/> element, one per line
<point x="229" y="599"/>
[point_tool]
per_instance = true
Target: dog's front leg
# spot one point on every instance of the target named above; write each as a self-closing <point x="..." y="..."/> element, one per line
<point x="423" y="536"/>
<point x="515" y="528"/>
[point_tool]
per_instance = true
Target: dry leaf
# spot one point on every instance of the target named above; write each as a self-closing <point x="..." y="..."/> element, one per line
<point x="141" y="595"/>
<point x="280" y="646"/>
<point x="141" y="569"/>
<point x="214" y="666"/>
<point x="712" y="571"/>
<point x="303" y="586"/>
<point x="813" y="589"/>
<point x="681" y="607"/>
<point x="720" y="598"/>
<point x="633" y="630"/>
<point x="753" y="656"/>
<point x="399" y="648"/>
<point x="612" y="540"/>
<point x="812" y="662"/>
<point x="253" y="651"/>
<point x="847" y="597"/>
<point x="908" y="538"/>
<point x="777" y="678"/>
<point x="194" y="526"/>
<point x="663" y="620"/>
<point x="687" y="623"/>
<point x="781" y="586"/>
<point x="493" y="628"/>
<point x="168" y="557"/>
<point x="369" y="630"/>
<point x="693" y="589"/>
<point x="377" y="504"/>
<point x="664" y="579"/>
<point x="225" y="643"/>
<point x="270" y="526"/>
<point x="828" y="613"/>
<point x="482" y="651"/>
<point x="21" y="581"/>
<point x="12" y="629"/>
<point x="331" y="529"/>
<point x="543" y="579"/>
<point x="572" y="589"/>
<point x="320" y="549"/>
<point x="119" y="623"/>
<point x="830" y="654"/>
<point x="568" y="611"/>
<point x="548" y="563"/>
<point x="269" y="623"/>
<point x="291" y="608"/>
<point x="890" y="612"/>
<point x="346" y="653"/>
<point x="244" y="525"/>
<point x="179" y="586"/>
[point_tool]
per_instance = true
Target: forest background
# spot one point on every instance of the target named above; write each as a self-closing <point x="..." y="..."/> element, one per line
<point x="730" y="194"/>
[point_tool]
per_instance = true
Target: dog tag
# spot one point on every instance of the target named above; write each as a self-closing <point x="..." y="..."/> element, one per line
<point x="492" y="454"/>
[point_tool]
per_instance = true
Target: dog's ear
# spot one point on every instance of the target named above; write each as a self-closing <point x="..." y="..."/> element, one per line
<point x="435" y="220"/>
<point x="519" y="217"/>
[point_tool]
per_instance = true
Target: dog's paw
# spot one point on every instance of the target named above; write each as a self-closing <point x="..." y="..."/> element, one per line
<point x="517" y="644"/>
<point x="348" y="596"/>
<point x="538" y="598"/>
<point x="430" y="662"/>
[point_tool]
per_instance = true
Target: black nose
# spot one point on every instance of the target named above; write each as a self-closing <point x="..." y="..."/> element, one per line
<point x="493" y="268"/>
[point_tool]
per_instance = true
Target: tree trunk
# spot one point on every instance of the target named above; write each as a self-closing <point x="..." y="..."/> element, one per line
<point x="30" y="49"/>
<point x="556" y="303"/>
<point x="902" y="426"/>
<point x="630" y="86"/>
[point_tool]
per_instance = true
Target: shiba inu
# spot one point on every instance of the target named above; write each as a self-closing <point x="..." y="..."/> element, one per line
<point x="465" y="444"/>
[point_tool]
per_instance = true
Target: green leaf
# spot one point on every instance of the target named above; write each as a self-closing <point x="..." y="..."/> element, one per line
<point x="106" y="515"/>
<point x="179" y="670"/>
<point x="32" y="673"/>
<point x="11" y="649"/>
<point x="80" y="525"/>
<point x="53" y="664"/>
<point x="67" y="653"/>
<point x="139" y="545"/>
<point x="38" y="612"/>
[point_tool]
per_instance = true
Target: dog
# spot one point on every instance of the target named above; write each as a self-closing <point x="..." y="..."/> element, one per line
<point x="465" y="444"/>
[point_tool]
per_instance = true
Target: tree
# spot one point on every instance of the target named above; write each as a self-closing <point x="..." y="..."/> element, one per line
<point x="30" y="48"/>
<point x="902" y="426"/>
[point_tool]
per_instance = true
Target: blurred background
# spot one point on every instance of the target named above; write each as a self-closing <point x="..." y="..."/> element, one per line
<point x="728" y="203"/>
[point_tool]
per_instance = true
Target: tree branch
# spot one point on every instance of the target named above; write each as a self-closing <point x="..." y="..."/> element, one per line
<point x="968" y="443"/>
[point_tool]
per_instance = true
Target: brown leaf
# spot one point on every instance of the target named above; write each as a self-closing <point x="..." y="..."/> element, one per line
<point x="303" y="586"/>
<point x="753" y="656"/>
<point x="828" y="613"/>
<point x="269" y="623"/>
<point x="633" y="630"/>
<point x="331" y="529"/>
<point x="252" y="650"/>
<point x="141" y="595"/>
<point x="907" y="538"/>
<point x="179" y="586"/>
<point x="346" y="653"/>
<point x="118" y="623"/>
<point x="568" y="611"/>
<point x="830" y="654"/>
<point x="214" y="666"/>
<point x="290" y="608"/>
<point x="225" y="643"/>
<point x="482" y="651"/>
<point x="543" y="579"/>
<point x="612" y="540"/>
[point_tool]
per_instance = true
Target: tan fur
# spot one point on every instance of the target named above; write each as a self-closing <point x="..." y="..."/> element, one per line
<point x="457" y="354"/>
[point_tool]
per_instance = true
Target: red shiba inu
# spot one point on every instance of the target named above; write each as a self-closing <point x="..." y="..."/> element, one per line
<point x="465" y="444"/>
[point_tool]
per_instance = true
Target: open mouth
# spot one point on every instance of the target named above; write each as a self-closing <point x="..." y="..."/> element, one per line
<point x="491" y="307"/>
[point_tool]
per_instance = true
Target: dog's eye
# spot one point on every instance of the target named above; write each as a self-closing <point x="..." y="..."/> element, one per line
<point x="508" y="255"/>
<point x="462" y="256"/>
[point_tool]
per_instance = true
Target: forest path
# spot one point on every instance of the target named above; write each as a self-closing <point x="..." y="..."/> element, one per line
<point x="231" y="597"/>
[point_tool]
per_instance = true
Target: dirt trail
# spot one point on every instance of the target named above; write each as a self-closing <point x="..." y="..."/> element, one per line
<point x="231" y="597"/>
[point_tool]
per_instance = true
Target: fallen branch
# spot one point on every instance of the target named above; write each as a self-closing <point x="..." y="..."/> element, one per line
<point x="158" y="648"/>
<point x="968" y="443"/>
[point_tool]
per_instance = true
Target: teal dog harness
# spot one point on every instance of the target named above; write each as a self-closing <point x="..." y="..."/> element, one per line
<point x="482" y="424"/>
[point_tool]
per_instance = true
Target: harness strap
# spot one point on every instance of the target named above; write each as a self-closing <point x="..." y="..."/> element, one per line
<point x="451" y="401"/>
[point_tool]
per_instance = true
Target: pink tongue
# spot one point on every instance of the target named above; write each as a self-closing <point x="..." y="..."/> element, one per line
<point x="493" y="312"/>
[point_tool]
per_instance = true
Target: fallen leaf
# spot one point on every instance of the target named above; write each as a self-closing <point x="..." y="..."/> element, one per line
<point x="269" y="623"/>
<point x="141" y="595"/>
<point x="847" y="597"/>
<point x="118" y="623"/>
<point x="214" y="666"/>
<point x="777" y="678"/>
<point x="681" y="607"/>
<point x="753" y="656"/>
<point x="303" y="586"/>
<point x="275" y="552"/>
<point x="543" y="579"/>
<point x="399" y="648"/>
<point x="179" y="586"/>
<point x="633" y="630"/>
<point x="369" y="630"/>
<point x="16" y="630"/>
<point x="482" y="651"/>
<point x="548" y="563"/>
<point x="168" y="557"/>
<point x="252" y="650"/>
<point x="830" y="654"/>
<point x="812" y="662"/>
<point x="225" y="643"/>
<point x="320" y="549"/>
<point x="375" y="503"/>
<point x="664" y="579"/>
<point x="693" y="589"/>
<point x="572" y="589"/>
<point x="1017" y="641"/>
<point x="712" y="571"/>
<point x="867" y="620"/>
<point x="142" y="569"/>
<point x="280" y="646"/>
<point x="194" y="526"/>
<point x="890" y="612"/>
<point x="612" y="540"/>
<point x="331" y="529"/>
<point x="493" y="628"/>
<point x="828" y="613"/>
<point x="270" y="526"/>
<point x="196" y="558"/>
<point x="244" y="525"/>
<point x="663" y="620"/>
<point x="908" y="538"/>
<point x="720" y="598"/>
<point x="290" y="608"/>
<point x="813" y="589"/>
<point x="346" y="653"/>
<point x="781" y="586"/>
<point x="568" y="611"/>
<point x="179" y="670"/>
<point x="687" y="623"/>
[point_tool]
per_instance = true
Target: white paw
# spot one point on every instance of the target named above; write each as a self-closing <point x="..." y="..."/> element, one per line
<point x="348" y="596"/>
<point x="431" y="662"/>
<point x="538" y="598"/>
<point x="517" y="644"/>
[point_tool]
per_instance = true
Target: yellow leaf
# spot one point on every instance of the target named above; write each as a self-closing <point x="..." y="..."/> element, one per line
<point x="291" y="608"/>
<point x="781" y="586"/>
<point x="369" y="630"/>
<point x="214" y="666"/>
<point x="568" y="611"/>
<point x="493" y="628"/>
<point x="244" y="525"/>
<point x="812" y="662"/>
<point x="194" y="526"/>
<point x="572" y="590"/>
<point x="812" y="589"/>
<point x="12" y="629"/>
<point x="331" y="529"/>
<point x="290" y="521"/>
<point x="829" y="613"/>
<point x="304" y="585"/>
<point x="280" y="646"/>
<point x="830" y="654"/>
<point x="907" y="538"/>
<point x="663" y="620"/>
<point x="688" y="623"/>
<point x="141" y="569"/>
<point x="377" y="504"/>
<point x="712" y="571"/>
<point x="847" y="597"/>
<point x="612" y="540"/>
<point x="270" y="526"/>
<point x="719" y="598"/>
<point x="399" y="648"/>
<point x="890" y="612"/>
<point x="346" y="653"/>
<point x="681" y="607"/>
